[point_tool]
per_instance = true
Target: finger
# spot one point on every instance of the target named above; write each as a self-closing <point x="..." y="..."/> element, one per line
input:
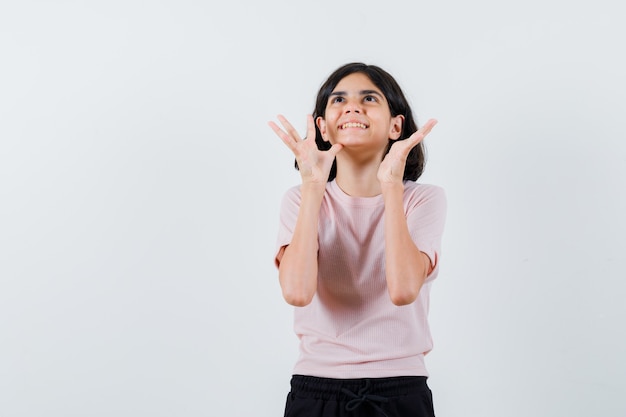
<point x="310" y="124"/>
<point x="287" y="140"/>
<point x="335" y="149"/>
<point x="289" y="127"/>
<point x="421" y="133"/>
<point x="428" y="126"/>
<point x="401" y="148"/>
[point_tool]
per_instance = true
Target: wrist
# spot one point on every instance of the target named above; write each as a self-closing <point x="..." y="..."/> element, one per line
<point x="392" y="187"/>
<point x="312" y="190"/>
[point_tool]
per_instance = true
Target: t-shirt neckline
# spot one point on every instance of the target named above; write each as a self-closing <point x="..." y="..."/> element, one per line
<point x="337" y="192"/>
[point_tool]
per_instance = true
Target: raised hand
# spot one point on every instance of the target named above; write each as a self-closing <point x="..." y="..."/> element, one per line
<point x="391" y="170"/>
<point x="314" y="165"/>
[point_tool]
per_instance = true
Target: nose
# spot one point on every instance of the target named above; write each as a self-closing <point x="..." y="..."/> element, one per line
<point x="352" y="106"/>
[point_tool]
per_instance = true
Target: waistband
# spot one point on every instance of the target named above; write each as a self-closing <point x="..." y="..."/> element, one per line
<point x="341" y="389"/>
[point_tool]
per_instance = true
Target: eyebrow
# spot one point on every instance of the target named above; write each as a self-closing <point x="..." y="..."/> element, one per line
<point x="362" y="93"/>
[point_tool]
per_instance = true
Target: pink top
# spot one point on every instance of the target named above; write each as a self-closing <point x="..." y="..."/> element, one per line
<point x="351" y="329"/>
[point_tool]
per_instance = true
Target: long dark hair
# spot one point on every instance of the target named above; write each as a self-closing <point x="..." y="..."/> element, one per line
<point x="398" y="104"/>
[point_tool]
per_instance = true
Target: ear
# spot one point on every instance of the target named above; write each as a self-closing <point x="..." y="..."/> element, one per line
<point x="321" y="125"/>
<point x="395" y="128"/>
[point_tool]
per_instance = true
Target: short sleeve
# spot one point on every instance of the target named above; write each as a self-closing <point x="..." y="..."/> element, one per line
<point x="290" y="205"/>
<point x="426" y="207"/>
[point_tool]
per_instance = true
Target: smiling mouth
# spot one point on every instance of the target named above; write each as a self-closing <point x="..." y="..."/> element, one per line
<point x="351" y="125"/>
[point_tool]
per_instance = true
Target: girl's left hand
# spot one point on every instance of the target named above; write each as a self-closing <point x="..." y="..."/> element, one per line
<point x="391" y="170"/>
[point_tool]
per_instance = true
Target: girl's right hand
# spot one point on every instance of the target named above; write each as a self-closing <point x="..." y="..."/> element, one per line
<point x="314" y="165"/>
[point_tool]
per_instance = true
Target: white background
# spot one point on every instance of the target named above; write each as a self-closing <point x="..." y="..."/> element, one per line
<point x="140" y="186"/>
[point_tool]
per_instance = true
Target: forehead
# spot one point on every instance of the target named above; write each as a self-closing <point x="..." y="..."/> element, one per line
<point x="355" y="83"/>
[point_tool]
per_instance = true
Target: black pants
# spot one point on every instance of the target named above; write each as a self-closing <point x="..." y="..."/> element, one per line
<point x="406" y="396"/>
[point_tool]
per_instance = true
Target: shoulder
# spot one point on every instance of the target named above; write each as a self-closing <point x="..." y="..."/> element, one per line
<point x="420" y="193"/>
<point x="294" y="194"/>
<point x="291" y="199"/>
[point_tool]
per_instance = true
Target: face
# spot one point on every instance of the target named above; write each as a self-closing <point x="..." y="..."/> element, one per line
<point x="357" y="115"/>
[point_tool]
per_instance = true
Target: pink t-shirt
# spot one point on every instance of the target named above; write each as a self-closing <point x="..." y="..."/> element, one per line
<point x="351" y="329"/>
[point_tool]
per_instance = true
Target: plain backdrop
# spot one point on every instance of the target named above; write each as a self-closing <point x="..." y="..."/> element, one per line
<point x="140" y="187"/>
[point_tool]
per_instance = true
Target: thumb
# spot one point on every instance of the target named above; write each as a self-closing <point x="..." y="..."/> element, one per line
<point x="335" y="149"/>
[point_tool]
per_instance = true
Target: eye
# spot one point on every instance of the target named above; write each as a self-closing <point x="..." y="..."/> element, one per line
<point x="370" y="98"/>
<point x="337" y="99"/>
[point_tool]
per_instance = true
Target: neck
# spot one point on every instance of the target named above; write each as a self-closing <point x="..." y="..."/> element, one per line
<point x="357" y="170"/>
<point x="358" y="180"/>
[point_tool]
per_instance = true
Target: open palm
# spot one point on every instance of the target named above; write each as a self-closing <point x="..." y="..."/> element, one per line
<point x="391" y="169"/>
<point x="314" y="165"/>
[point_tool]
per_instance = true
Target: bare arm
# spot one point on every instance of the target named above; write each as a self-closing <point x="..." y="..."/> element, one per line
<point x="297" y="270"/>
<point x="406" y="266"/>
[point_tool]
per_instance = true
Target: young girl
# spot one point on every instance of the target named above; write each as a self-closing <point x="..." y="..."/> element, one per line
<point x="358" y="248"/>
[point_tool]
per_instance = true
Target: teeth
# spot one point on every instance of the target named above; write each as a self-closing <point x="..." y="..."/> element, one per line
<point x="351" y="124"/>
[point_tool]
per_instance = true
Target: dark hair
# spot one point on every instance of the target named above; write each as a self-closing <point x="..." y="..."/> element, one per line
<point x="398" y="104"/>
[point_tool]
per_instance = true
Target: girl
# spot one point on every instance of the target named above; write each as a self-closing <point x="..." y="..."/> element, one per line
<point x="358" y="248"/>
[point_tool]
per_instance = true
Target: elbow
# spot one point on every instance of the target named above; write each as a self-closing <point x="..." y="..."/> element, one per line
<point x="404" y="289"/>
<point x="298" y="293"/>
<point x="298" y="289"/>
<point x="402" y="295"/>
<point x="403" y="298"/>
<point x="298" y="298"/>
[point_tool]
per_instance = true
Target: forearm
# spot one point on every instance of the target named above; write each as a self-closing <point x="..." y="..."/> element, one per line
<point x="298" y="265"/>
<point x="406" y="267"/>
